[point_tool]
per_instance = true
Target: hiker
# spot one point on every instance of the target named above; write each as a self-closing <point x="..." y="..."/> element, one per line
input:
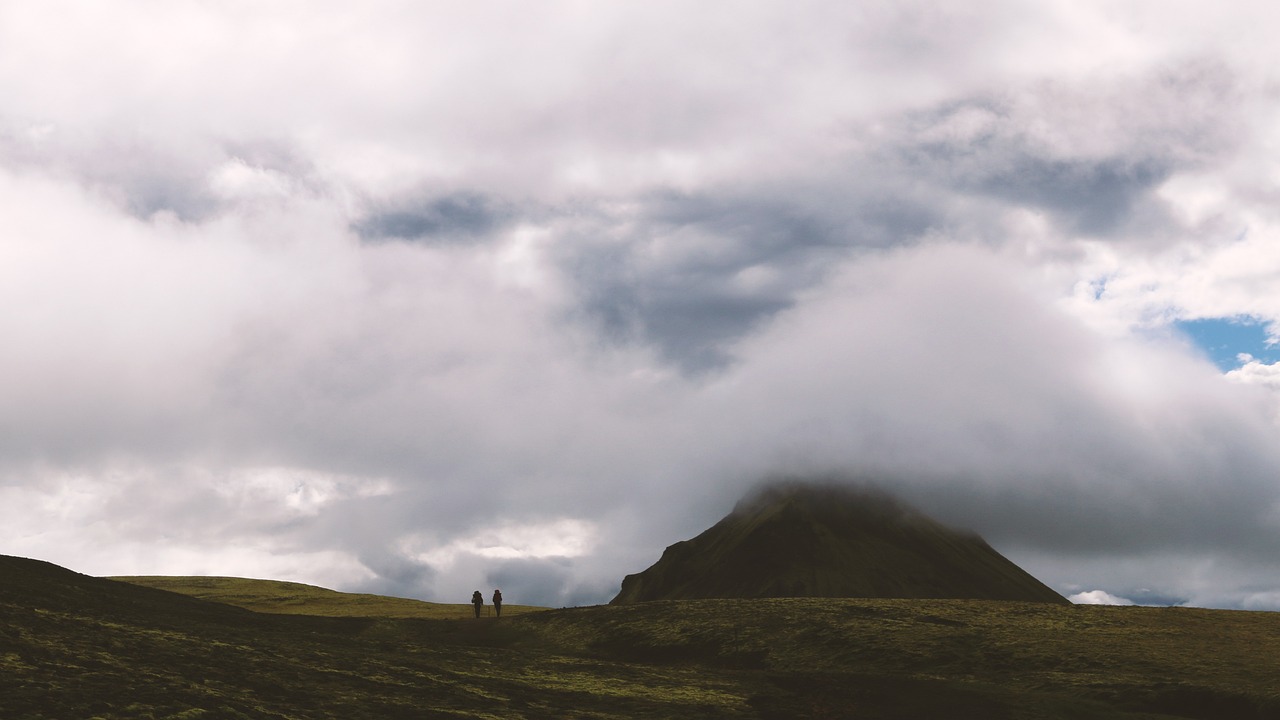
<point x="497" y="602"/>
<point x="478" y="600"/>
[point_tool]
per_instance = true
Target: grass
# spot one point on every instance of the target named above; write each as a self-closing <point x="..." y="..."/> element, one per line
<point x="279" y="597"/>
<point x="74" y="646"/>
<point x="1179" y="661"/>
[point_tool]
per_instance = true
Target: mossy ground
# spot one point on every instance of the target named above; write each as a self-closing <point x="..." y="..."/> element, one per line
<point x="279" y="597"/>
<point x="77" y="647"/>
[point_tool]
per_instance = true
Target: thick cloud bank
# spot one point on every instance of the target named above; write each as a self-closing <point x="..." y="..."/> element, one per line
<point x="418" y="299"/>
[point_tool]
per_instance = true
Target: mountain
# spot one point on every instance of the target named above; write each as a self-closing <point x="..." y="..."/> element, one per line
<point x="806" y="540"/>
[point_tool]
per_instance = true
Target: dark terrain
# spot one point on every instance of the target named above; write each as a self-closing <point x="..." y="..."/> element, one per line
<point x="73" y="646"/>
<point x="805" y="540"/>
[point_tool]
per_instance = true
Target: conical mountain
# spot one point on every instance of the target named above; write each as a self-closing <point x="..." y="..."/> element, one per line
<point x="804" y="540"/>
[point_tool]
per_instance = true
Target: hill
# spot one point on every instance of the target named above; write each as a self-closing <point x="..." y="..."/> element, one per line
<point x="290" y="598"/>
<point x="73" y="646"/>
<point x="805" y="540"/>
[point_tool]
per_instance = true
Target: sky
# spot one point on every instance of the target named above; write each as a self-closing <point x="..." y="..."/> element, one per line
<point x="421" y="297"/>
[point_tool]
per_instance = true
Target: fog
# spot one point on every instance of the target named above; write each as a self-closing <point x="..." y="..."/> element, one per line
<point x="419" y="299"/>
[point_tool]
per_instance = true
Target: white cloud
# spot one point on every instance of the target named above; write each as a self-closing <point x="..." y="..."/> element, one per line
<point x="1256" y="372"/>
<point x="562" y="538"/>
<point x="124" y="521"/>
<point x="236" y="179"/>
<point x="287" y="287"/>
<point x="1098" y="597"/>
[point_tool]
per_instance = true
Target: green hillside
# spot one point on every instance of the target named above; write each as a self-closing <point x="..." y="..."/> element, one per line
<point x="276" y="596"/>
<point x="73" y="646"/>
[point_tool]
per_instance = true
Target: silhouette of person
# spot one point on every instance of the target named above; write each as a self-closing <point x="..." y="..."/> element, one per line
<point x="478" y="600"/>
<point x="497" y="602"/>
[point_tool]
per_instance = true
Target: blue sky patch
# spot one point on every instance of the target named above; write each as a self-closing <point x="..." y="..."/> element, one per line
<point x="1223" y="339"/>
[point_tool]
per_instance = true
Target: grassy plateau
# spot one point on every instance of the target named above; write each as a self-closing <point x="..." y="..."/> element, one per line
<point x="73" y="646"/>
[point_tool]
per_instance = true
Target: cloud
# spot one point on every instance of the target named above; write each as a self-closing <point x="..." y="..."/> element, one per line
<point x="332" y="294"/>
<point x="1096" y="445"/>
<point x="1098" y="597"/>
<point x="690" y="274"/>
<point x="453" y="217"/>
<point x="1255" y="372"/>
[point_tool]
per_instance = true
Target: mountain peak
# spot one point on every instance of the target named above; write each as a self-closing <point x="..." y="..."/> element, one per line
<point x="798" y="539"/>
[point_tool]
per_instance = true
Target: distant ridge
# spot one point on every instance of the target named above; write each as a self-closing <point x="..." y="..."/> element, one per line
<point x="799" y="539"/>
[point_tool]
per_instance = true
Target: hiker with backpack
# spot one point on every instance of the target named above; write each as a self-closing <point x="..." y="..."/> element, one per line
<point x="478" y="600"/>
<point x="497" y="602"/>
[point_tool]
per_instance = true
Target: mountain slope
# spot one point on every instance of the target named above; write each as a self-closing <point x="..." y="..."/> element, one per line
<point x="803" y="540"/>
